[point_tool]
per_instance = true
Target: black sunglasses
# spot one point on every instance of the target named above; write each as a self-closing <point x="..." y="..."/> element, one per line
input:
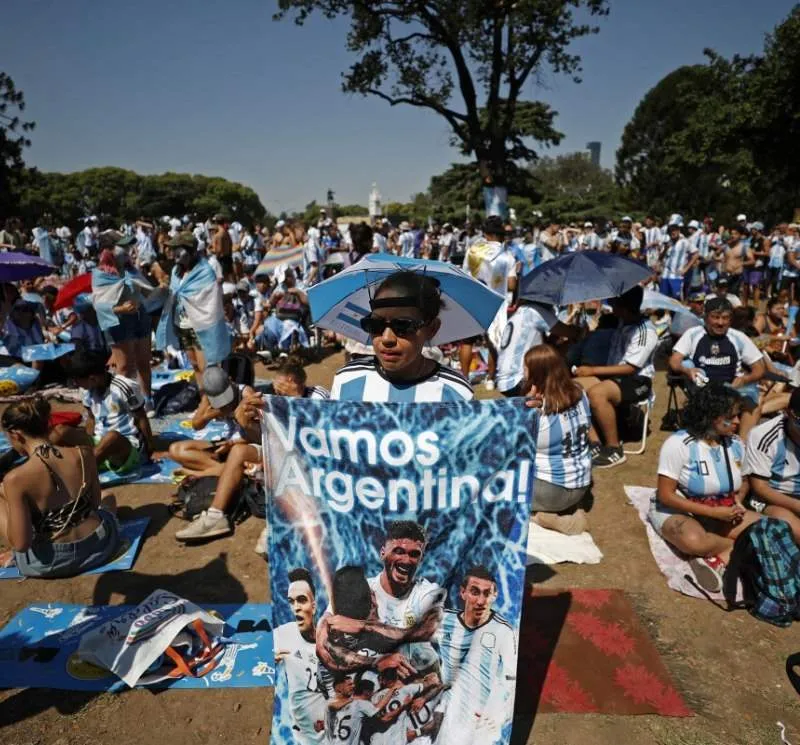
<point x="375" y="325"/>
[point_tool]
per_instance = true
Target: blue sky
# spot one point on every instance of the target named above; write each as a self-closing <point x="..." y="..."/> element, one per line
<point x="221" y="89"/>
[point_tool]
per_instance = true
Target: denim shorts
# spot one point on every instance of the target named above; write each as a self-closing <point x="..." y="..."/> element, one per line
<point x="55" y="560"/>
<point x="659" y="514"/>
<point x="131" y="326"/>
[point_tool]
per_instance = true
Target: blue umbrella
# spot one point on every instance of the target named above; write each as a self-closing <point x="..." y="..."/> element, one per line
<point x="582" y="276"/>
<point x="15" y="265"/>
<point x="339" y="303"/>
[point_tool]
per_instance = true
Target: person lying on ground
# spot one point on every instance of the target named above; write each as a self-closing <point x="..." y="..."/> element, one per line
<point x="116" y="419"/>
<point x="243" y="454"/>
<point x="626" y="378"/>
<point x="50" y="508"/>
<point x="772" y="463"/>
<point x="699" y="505"/>
<point x="219" y="401"/>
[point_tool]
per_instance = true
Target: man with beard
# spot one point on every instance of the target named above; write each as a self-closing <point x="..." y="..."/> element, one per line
<point x="295" y="647"/>
<point x="403" y="610"/>
<point x="479" y="662"/>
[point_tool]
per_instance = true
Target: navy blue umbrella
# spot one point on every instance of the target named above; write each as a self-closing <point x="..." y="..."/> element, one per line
<point x="582" y="276"/>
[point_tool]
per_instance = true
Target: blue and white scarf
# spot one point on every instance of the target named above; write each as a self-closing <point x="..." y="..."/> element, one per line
<point x="199" y="296"/>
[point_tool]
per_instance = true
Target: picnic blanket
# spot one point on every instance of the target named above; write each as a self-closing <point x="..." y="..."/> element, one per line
<point x="38" y="646"/>
<point x="673" y="565"/>
<point x="585" y="651"/>
<point x="155" y="472"/>
<point x="131" y="535"/>
<point x="551" y="547"/>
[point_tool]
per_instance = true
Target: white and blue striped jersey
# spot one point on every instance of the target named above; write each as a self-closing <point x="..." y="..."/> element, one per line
<point x="408" y="610"/>
<point x="113" y="408"/>
<point x="590" y="242"/>
<point x="635" y="344"/>
<point x="563" y="457"/>
<point x="699" y="467"/>
<point x="773" y="456"/>
<point x="480" y="665"/>
<point x="345" y="726"/>
<point x="396" y="734"/>
<point x="406" y="243"/>
<point x="524" y="330"/>
<point x="363" y="380"/>
<point x="676" y="257"/>
<point x="306" y="701"/>
<point x="789" y="269"/>
<point x="777" y="253"/>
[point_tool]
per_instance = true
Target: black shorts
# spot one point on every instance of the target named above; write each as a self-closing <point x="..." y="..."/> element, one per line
<point x="634" y="388"/>
<point x="187" y="338"/>
<point x="513" y="392"/>
<point x="787" y="283"/>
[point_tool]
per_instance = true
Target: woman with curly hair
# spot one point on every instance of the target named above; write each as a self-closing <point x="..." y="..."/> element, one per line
<point x="698" y="504"/>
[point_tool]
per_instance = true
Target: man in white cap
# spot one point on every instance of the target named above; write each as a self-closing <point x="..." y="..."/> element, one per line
<point x="589" y="240"/>
<point x="678" y="258"/>
<point x="406" y="240"/>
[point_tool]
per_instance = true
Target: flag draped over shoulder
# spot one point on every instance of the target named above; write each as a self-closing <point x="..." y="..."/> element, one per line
<point x="107" y="292"/>
<point x="199" y="296"/>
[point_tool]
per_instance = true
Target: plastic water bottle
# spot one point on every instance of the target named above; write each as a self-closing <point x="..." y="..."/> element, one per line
<point x="700" y="379"/>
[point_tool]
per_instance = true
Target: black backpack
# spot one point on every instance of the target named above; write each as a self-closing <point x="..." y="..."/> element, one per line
<point x="195" y="495"/>
<point x="240" y="368"/>
<point x="175" y="398"/>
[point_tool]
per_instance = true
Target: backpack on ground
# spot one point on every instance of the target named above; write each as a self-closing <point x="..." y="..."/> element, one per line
<point x="240" y="368"/>
<point x="767" y="561"/>
<point x="175" y="398"/>
<point x="195" y="495"/>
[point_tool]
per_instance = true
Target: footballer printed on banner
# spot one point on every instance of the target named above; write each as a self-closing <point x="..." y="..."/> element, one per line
<point x="397" y="559"/>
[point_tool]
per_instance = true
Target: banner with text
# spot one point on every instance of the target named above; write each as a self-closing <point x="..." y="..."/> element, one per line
<point x="397" y="560"/>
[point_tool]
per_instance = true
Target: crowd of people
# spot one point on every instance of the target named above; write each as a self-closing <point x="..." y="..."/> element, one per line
<point x="192" y="293"/>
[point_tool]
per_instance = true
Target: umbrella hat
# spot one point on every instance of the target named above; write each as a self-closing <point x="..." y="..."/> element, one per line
<point x="339" y="303"/>
<point x="582" y="276"/>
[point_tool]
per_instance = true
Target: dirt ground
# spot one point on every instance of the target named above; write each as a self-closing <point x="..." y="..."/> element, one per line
<point x="729" y="667"/>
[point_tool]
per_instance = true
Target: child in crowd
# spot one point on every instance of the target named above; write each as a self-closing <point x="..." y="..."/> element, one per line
<point x="220" y="398"/>
<point x="116" y="419"/>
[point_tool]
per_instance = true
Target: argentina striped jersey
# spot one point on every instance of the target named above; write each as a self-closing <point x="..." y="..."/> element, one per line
<point x="772" y="455"/>
<point x="676" y="258"/>
<point x="699" y="467"/>
<point x="480" y="665"/>
<point x="364" y="380"/>
<point x="563" y="457"/>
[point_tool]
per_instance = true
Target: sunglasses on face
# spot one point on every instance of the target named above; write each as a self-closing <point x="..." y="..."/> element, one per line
<point x="375" y="325"/>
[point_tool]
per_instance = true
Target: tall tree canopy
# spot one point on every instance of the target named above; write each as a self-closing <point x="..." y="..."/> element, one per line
<point x="13" y="140"/>
<point x="469" y="61"/>
<point x="115" y="194"/>
<point x="720" y="138"/>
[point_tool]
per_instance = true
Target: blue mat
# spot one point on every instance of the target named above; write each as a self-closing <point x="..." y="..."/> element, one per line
<point x="179" y="427"/>
<point x="132" y="532"/>
<point x="160" y="472"/>
<point x="37" y="649"/>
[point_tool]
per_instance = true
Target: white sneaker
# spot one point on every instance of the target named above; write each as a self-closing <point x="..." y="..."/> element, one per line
<point x="205" y="526"/>
<point x="489" y="384"/>
<point x="261" y="543"/>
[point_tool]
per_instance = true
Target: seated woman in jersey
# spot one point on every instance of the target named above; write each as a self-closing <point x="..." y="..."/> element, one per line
<point x="698" y="507"/>
<point x="404" y="318"/>
<point x="283" y="330"/>
<point x="218" y="404"/>
<point x="50" y="509"/>
<point x="563" y="466"/>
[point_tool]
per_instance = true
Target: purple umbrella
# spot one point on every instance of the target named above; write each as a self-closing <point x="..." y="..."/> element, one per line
<point x="15" y="265"/>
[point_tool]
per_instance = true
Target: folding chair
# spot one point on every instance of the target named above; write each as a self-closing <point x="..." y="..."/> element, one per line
<point x="646" y="407"/>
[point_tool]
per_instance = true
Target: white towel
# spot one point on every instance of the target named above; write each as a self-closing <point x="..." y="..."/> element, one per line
<point x="550" y="547"/>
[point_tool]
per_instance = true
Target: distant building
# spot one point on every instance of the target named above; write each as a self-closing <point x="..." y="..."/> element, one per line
<point x="594" y="152"/>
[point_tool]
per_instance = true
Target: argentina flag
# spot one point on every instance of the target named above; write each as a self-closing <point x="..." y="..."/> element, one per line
<point x="199" y="296"/>
<point x="107" y="291"/>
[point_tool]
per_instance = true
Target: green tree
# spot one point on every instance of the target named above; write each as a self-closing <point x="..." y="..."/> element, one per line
<point x="13" y="141"/>
<point x="116" y="194"/>
<point x="431" y="53"/>
<point x="573" y="188"/>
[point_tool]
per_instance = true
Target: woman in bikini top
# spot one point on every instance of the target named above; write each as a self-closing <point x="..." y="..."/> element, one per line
<point x="54" y="496"/>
